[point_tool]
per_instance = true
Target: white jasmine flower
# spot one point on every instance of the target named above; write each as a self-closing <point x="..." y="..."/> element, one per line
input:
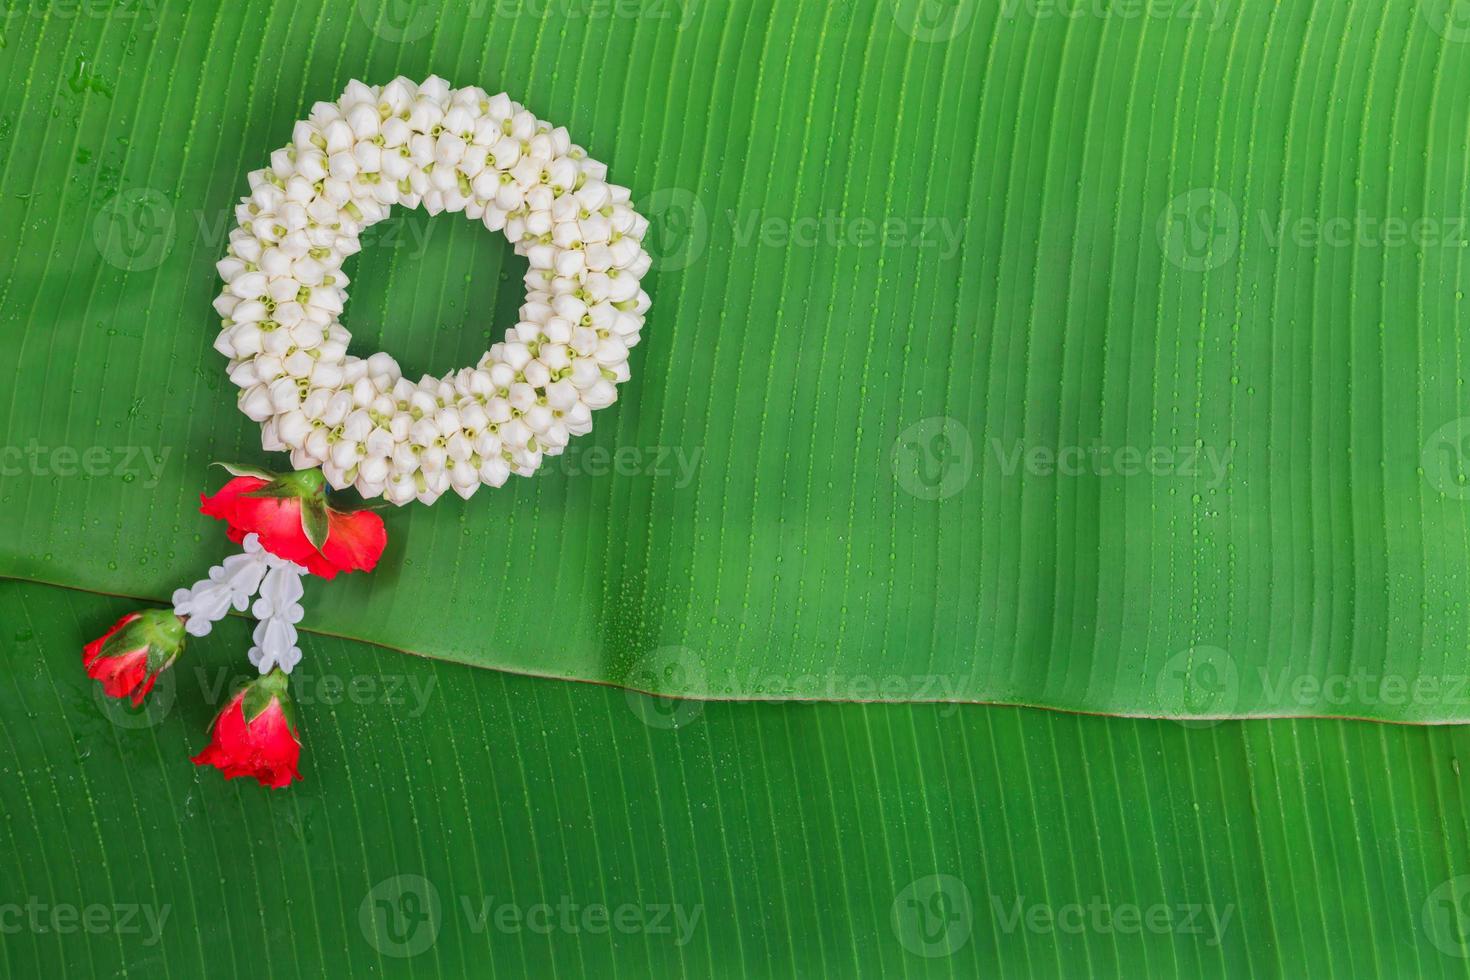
<point x="278" y="610"/>
<point x="230" y="586"/>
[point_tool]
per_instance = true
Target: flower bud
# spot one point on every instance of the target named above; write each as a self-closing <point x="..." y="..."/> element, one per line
<point x="128" y="658"/>
<point x="255" y="734"/>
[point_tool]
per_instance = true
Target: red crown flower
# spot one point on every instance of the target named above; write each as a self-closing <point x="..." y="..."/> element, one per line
<point x="291" y="515"/>
<point x="128" y="658"/>
<point x="255" y="734"/>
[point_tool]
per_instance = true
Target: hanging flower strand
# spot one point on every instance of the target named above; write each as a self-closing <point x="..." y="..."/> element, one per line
<point x="286" y="530"/>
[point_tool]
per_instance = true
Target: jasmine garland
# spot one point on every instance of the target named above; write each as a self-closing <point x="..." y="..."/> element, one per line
<point x="348" y="421"/>
<point x="457" y="150"/>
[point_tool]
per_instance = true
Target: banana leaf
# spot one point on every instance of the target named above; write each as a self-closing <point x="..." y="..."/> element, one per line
<point x="463" y="822"/>
<point x="1105" y="357"/>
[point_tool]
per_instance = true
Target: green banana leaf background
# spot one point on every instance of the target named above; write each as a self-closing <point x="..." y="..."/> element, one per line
<point x="1101" y="355"/>
<point x="462" y="822"/>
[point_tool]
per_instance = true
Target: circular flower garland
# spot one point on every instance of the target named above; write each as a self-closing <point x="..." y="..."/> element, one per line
<point x="448" y="149"/>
